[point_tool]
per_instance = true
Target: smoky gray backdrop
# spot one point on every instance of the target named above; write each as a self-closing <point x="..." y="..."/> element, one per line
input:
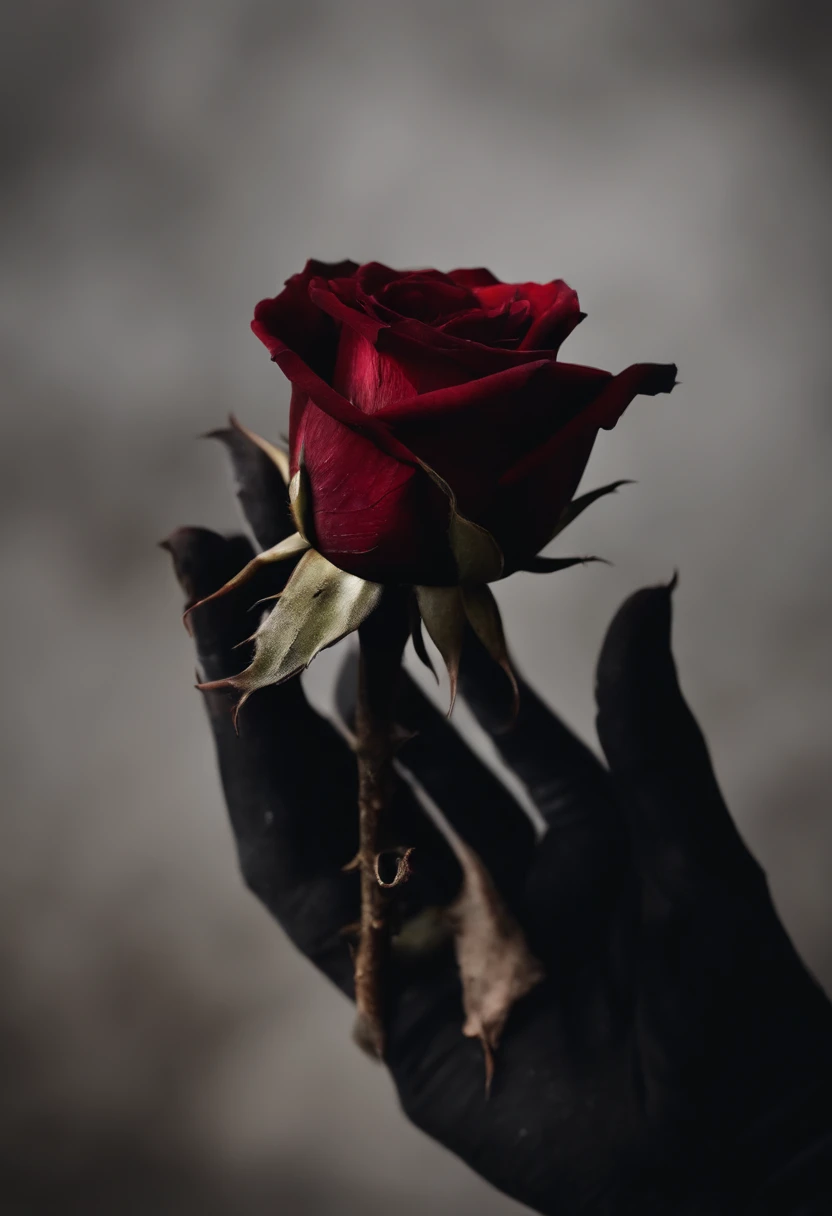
<point x="165" y="165"/>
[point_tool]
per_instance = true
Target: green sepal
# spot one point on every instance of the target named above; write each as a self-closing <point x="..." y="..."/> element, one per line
<point x="477" y="555"/>
<point x="484" y="618"/>
<point x="290" y="546"/>
<point x="319" y="605"/>
<point x="300" y="500"/>
<point x="550" y="565"/>
<point x="418" y="639"/>
<point x="580" y="504"/>
<point x="444" y="616"/>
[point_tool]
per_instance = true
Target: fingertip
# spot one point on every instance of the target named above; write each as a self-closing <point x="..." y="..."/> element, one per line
<point x="203" y="560"/>
<point x="640" y="627"/>
<point x="641" y="712"/>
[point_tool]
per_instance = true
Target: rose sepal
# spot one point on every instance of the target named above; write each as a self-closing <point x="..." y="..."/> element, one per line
<point x="319" y="605"/>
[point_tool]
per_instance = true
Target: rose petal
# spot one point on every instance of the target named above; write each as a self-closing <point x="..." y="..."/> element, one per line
<point x="533" y="492"/>
<point x="367" y="379"/>
<point x="646" y="379"/>
<point x="477" y="276"/>
<point x="474" y="432"/>
<point x="429" y="299"/>
<point x="291" y="318"/>
<point x="554" y="319"/>
<point x="372" y="515"/>
<point x="490" y="326"/>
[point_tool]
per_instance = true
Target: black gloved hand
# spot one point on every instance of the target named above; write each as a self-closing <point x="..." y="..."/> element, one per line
<point x="678" y="1058"/>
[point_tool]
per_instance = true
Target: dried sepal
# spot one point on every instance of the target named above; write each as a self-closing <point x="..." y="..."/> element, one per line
<point x="278" y="457"/>
<point x="496" y="966"/>
<point x="442" y="611"/>
<point x="550" y="565"/>
<point x="580" y="504"/>
<point x="484" y="617"/>
<point x="260" y="481"/>
<point x="289" y="547"/>
<point x="319" y="605"/>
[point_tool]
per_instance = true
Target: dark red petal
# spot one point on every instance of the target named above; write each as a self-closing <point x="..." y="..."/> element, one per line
<point x="503" y="326"/>
<point x="533" y="493"/>
<point x="366" y="378"/>
<point x="477" y="276"/>
<point x="554" y="310"/>
<point x="293" y="320"/>
<point x="472" y="433"/>
<point x="556" y="313"/>
<point x="335" y="306"/>
<point x="429" y="298"/>
<point x="646" y="379"/>
<point x="523" y="515"/>
<point x="308" y="384"/>
<point x="372" y="515"/>
<point x="373" y="276"/>
<point x="431" y="358"/>
<point x="494" y="295"/>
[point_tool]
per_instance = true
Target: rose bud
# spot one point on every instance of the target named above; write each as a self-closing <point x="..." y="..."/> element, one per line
<point x="435" y="439"/>
<point x="393" y="370"/>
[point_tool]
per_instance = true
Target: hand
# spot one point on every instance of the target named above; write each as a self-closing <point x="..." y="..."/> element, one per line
<point x="678" y="1057"/>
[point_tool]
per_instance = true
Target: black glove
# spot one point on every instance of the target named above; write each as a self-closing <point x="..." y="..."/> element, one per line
<point x="678" y="1057"/>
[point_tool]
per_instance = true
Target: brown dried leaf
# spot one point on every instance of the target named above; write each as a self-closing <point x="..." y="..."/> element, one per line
<point x="496" y="966"/>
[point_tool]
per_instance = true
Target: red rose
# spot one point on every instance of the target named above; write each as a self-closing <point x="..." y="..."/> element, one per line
<point x="400" y="374"/>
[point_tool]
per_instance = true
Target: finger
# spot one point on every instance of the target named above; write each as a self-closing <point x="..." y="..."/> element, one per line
<point x="574" y="879"/>
<point x="680" y="825"/>
<point x="563" y="777"/>
<point x="289" y="778"/>
<point x="260" y="488"/>
<point x="474" y="800"/>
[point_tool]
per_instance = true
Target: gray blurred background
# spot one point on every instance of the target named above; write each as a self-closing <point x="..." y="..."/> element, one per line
<point x="165" y="165"/>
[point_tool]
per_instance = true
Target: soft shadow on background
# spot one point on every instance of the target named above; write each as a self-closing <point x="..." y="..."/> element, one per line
<point x="168" y="163"/>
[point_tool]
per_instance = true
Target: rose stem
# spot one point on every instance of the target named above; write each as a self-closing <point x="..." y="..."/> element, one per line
<point x="382" y="640"/>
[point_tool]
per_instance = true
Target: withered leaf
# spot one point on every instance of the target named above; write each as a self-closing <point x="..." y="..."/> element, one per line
<point x="496" y="966"/>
